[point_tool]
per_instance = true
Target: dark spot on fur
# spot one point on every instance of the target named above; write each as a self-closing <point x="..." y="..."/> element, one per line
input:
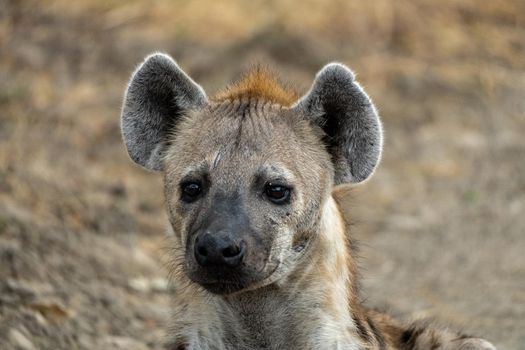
<point x="405" y="337"/>
<point x="410" y="336"/>
<point x="361" y="329"/>
<point x="434" y="344"/>
<point x="463" y="336"/>
<point x="377" y="334"/>
<point x="178" y="345"/>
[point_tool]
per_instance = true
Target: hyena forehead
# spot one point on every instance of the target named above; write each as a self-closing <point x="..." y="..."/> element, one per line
<point x="247" y="125"/>
<point x="247" y="137"/>
<point x="160" y="98"/>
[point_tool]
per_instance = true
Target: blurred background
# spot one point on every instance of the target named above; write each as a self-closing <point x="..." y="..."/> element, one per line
<point x="441" y="225"/>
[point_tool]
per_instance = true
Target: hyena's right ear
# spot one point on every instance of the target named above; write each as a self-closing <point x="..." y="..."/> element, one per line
<point x="342" y="109"/>
<point x="158" y="94"/>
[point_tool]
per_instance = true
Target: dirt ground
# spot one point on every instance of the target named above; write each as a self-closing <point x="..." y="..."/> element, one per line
<point x="82" y="230"/>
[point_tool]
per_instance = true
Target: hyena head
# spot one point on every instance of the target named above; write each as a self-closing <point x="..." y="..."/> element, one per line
<point x="247" y="172"/>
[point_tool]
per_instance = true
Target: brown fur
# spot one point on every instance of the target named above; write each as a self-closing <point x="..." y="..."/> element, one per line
<point x="266" y="130"/>
<point x="297" y="286"/>
<point x="259" y="82"/>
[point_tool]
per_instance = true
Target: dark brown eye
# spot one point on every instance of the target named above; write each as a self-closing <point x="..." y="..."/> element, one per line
<point x="278" y="194"/>
<point x="190" y="191"/>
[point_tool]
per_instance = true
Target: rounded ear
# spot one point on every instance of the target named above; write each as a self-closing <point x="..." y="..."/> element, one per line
<point x="338" y="105"/>
<point x="158" y="94"/>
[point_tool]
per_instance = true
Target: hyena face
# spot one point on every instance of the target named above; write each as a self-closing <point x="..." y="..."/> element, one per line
<point x="244" y="183"/>
<point x="246" y="174"/>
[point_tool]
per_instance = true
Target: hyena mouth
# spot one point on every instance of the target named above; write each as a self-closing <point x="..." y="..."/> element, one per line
<point x="223" y="287"/>
<point x="219" y="281"/>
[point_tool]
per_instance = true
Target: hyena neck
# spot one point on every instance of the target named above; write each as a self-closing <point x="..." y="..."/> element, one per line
<point x="311" y="309"/>
<point x="313" y="306"/>
<point x="326" y="284"/>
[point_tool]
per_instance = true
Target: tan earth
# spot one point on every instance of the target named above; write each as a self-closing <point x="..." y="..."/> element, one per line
<point x="442" y="224"/>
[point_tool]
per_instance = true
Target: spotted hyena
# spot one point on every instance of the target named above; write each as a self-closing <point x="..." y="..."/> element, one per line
<point x="262" y="253"/>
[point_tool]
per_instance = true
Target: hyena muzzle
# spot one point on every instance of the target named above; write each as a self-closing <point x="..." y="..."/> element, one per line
<point x="261" y="251"/>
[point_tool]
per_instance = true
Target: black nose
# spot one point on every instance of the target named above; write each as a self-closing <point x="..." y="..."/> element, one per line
<point x="218" y="250"/>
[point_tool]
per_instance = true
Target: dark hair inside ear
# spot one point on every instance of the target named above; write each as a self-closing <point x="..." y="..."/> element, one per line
<point x="158" y="94"/>
<point x="352" y="130"/>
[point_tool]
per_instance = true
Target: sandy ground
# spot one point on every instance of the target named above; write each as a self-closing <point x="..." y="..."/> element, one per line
<point x="441" y="225"/>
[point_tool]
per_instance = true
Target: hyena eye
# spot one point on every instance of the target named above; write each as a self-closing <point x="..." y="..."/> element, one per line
<point x="190" y="191"/>
<point x="278" y="194"/>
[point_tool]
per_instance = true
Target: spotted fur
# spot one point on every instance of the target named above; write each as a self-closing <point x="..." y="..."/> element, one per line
<point x="297" y="287"/>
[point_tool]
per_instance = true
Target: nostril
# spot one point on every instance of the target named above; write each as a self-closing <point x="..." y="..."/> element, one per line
<point x="217" y="251"/>
<point x="202" y="251"/>
<point x="231" y="251"/>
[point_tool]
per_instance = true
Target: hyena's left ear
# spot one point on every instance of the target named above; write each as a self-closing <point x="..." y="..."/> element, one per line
<point x="158" y="95"/>
<point x="338" y="104"/>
